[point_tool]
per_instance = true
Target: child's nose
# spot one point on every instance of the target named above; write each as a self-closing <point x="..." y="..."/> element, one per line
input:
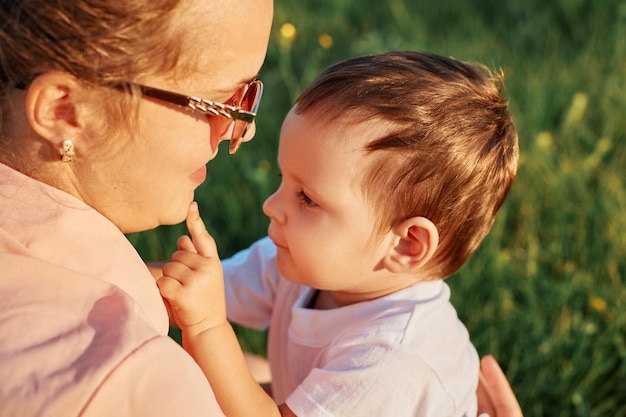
<point x="273" y="209"/>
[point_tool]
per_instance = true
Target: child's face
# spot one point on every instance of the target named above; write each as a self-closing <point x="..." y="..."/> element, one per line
<point x="321" y="222"/>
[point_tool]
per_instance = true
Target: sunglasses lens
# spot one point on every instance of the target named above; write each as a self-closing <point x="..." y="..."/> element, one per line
<point x="249" y="103"/>
<point x="252" y="98"/>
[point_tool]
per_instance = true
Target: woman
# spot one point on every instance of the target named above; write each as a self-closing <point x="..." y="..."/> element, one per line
<point x="88" y="153"/>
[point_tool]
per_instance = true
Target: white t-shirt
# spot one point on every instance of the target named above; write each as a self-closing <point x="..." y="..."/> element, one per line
<point x="405" y="354"/>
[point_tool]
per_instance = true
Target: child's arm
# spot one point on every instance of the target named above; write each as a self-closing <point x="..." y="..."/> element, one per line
<point x="193" y="285"/>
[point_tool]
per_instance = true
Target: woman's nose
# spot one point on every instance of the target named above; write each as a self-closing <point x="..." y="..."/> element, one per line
<point x="234" y="134"/>
<point x="250" y="132"/>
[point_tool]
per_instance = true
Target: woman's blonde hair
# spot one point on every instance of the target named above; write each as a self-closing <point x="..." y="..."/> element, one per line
<point x="100" y="42"/>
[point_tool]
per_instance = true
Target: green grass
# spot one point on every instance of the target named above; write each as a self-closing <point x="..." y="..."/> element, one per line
<point x="545" y="291"/>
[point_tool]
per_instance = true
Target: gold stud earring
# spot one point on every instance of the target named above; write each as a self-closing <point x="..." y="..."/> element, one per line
<point x="67" y="151"/>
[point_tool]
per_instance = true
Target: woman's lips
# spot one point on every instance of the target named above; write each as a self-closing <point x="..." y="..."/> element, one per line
<point x="199" y="176"/>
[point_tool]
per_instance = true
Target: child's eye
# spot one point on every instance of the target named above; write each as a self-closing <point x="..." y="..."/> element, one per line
<point x="306" y="201"/>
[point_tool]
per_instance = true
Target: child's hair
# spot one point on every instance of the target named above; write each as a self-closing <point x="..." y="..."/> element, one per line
<point x="451" y="150"/>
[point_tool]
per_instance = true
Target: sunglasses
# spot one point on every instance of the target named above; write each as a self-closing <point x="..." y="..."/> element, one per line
<point x="241" y="111"/>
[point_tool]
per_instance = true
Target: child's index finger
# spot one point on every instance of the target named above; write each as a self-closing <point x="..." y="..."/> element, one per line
<point x="202" y="240"/>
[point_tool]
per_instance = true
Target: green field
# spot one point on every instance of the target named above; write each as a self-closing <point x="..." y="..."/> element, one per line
<point x="545" y="292"/>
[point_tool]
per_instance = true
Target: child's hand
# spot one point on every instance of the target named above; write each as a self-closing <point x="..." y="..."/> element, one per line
<point x="193" y="282"/>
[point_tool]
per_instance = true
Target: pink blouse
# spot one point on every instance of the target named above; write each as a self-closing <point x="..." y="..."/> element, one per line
<point x="83" y="329"/>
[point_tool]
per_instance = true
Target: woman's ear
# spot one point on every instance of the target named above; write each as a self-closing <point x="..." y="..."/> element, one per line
<point x="415" y="242"/>
<point x="50" y="107"/>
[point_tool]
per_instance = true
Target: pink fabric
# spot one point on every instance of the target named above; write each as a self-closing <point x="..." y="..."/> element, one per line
<point x="83" y="329"/>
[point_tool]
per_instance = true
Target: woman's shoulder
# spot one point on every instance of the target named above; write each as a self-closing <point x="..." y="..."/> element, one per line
<point x="157" y="379"/>
<point x="65" y="334"/>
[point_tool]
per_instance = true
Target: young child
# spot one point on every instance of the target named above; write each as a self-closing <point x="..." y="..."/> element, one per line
<point x="393" y="169"/>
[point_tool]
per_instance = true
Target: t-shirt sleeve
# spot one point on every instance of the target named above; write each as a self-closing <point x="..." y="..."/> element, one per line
<point x="251" y="279"/>
<point x="158" y="379"/>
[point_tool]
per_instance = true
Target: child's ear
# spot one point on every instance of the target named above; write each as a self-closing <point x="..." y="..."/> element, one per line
<point x="50" y="107"/>
<point x="415" y="242"/>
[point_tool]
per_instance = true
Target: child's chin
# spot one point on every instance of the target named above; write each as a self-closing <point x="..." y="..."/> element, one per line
<point x="283" y="270"/>
<point x="288" y="272"/>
